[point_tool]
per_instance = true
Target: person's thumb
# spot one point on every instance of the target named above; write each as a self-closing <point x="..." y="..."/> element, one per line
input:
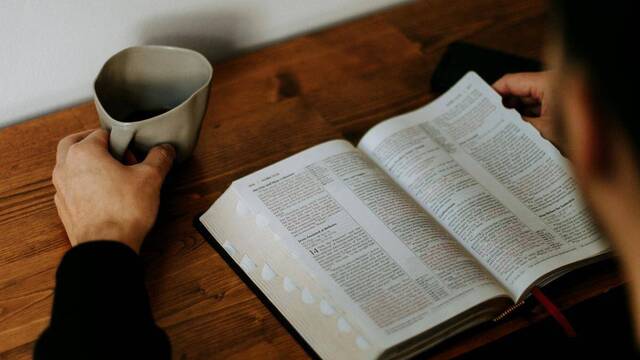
<point x="548" y="129"/>
<point x="160" y="158"/>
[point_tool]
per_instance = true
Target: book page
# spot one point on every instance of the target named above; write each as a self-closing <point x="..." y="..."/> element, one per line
<point x="369" y="245"/>
<point x="488" y="177"/>
<point x="270" y="266"/>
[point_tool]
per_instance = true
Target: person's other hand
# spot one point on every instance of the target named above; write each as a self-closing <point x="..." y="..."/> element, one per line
<point x="529" y="93"/>
<point x="99" y="198"/>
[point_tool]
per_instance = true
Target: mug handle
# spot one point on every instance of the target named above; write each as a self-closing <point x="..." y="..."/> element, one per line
<point x="119" y="140"/>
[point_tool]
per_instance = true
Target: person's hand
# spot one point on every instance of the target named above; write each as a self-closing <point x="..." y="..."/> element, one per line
<point x="99" y="198"/>
<point x="529" y="93"/>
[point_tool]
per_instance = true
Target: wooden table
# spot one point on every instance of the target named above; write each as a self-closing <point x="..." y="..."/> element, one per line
<point x="265" y="105"/>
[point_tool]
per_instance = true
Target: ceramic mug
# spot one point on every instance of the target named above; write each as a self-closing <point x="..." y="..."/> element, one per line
<point x="151" y="95"/>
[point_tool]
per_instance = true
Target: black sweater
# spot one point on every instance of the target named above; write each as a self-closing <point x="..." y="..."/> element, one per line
<point x="101" y="308"/>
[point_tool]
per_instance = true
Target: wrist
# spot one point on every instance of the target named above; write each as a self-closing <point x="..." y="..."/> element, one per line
<point x="109" y="230"/>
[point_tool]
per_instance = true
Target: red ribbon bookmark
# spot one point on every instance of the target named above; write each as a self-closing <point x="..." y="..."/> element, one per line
<point x="553" y="310"/>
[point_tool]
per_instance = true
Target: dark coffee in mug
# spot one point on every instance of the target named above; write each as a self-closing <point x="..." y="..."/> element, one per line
<point x="150" y="95"/>
<point x="139" y="114"/>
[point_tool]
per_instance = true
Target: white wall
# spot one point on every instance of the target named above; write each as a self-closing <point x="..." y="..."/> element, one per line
<point x="51" y="50"/>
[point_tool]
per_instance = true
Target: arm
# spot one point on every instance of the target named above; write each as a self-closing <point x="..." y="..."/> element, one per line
<point x="101" y="308"/>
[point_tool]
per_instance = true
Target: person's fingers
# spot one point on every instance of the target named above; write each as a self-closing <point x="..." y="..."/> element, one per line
<point x="130" y="158"/>
<point x="98" y="137"/>
<point x="67" y="141"/>
<point x="526" y="106"/>
<point x="526" y="101"/>
<point x="511" y="102"/>
<point x="160" y="158"/>
<point x="529" y="84"/>
<point x="531" y="110"/>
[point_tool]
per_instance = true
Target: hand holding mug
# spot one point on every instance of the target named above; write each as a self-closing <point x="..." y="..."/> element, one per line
<point x="99" y="198"/>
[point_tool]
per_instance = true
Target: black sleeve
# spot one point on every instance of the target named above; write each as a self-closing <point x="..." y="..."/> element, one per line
<point x="101" y="308"/>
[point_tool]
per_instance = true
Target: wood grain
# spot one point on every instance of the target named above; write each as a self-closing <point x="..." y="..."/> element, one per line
<point x="264" y="106"/>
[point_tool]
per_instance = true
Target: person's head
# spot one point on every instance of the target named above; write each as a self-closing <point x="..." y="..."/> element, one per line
<point x="594" y="85"/>
<point x="594" y="82"/>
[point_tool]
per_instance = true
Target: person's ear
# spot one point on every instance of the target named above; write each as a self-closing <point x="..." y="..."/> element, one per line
<point x="587" y="137"/>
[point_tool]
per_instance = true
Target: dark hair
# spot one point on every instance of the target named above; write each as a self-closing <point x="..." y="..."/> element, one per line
<point x="601" y="37"/>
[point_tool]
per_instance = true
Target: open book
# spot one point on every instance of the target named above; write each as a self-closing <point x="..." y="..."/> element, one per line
<point x="439" y="220"/>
